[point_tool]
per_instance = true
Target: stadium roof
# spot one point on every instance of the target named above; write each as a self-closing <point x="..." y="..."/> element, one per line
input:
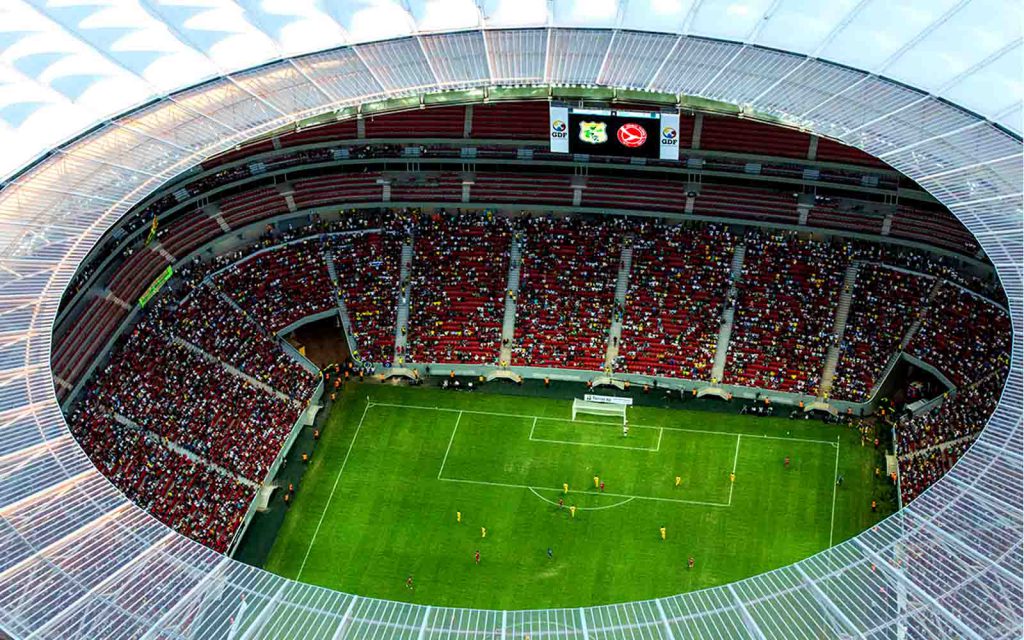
<point x="67" y="64"/>
<point x="78" y="558"/>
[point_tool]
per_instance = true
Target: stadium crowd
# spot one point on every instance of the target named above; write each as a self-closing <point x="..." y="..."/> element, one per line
<point x="209" y="322"/>
<point x="782" y="328"/>
<point x="677" y="291"/>
<point x="885" y="304"/>
<point x="200" y="502"/>
<point x="282" y="285"/>
<point x="567" y="291"/>
<point x="458" y="287"/>
<point x="965" y="336"/>
<point x="367" y="268"/>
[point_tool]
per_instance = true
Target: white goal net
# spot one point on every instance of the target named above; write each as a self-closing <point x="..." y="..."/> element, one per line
<point x="598" y="408"/>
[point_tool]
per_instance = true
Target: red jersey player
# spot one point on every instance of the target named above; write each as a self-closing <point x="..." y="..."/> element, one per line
<point x="476" y="556"/>
<point x="785" y="462"/>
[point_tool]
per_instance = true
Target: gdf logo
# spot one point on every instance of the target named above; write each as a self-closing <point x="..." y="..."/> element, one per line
<point x="631" y="135"/>
<point x="669" y="135"/>
<point x="559" y="129"/>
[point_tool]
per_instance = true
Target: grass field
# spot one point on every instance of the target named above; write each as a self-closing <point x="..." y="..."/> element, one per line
<point x="379" y="500"/>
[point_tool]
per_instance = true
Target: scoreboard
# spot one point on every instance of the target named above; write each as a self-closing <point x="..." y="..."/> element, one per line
<point x="614" y="132"/>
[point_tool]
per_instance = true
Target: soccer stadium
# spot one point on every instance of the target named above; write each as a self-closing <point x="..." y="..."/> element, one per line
<point x="511" y="319"/>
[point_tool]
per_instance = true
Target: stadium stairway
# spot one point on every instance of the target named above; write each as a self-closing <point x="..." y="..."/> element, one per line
<point x="194" y="457"/>
<point x="828" y="372"/>
<point x="346" y="321"/>
<point x="725" y="329"/>
<point x="942" y="446"/>
<point x="912" y="331"/>
<point x="237" y="372"/>
<point x="402" y="313"/>
<point x="234" y="305"/>
<point x="508" y="325"/>
<point x="621" y="288"/>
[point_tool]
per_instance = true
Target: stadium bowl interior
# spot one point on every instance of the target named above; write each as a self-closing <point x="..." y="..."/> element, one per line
<point x="78" y="557"/>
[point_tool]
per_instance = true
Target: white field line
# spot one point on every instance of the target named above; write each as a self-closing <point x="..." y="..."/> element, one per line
<point x="533" y="438"/>
<point x="450" y="441"/>
<point x="607" y="506"/>
<point x="835" y="485"/>
<point x="333" y="489"/>
<point x="735" y="461"/>
<point x="631" y="426"/>
<point x="595" y="444"/>
<point x="559" y="490"/>
<point x="661" y="432"/>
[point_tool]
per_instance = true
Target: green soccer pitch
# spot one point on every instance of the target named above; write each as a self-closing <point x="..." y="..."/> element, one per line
<point x="379" y="500"/>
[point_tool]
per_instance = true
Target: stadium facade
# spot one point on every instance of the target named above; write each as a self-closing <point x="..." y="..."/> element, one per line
<point x="78" y="560"/>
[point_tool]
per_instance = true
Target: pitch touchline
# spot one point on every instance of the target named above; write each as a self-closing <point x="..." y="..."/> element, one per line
<point x="613" y="495"/>
<point x="639" y="426"/>
<point x="334" y="488"/>
<point x="835" y="485"/>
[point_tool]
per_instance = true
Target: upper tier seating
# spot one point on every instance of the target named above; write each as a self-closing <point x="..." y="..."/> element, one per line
<point x="527" y="120"/>
<point x="783" y="322"/>
<point x="746" y="203"/>
<point x="447" y="122"/>
<point x="721" y="133"/>
<point x="677" y="292"/>
<point x="885" y="304"/>
<point x="566" y="292"/>
<point x="337" y="188"/>
<point x="459" y="272"/>
<point x="252" y="205"/>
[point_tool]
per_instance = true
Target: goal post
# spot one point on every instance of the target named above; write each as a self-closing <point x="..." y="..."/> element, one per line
<point x="591" y="407"/>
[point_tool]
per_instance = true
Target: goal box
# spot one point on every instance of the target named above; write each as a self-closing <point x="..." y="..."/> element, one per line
<point x="591" y="407"/>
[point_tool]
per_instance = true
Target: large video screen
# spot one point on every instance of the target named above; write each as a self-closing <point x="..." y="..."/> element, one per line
<point x="633" y="134"/>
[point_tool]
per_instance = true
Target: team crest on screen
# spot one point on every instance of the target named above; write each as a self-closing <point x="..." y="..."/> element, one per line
<point x="593" y="132"/>
<point x="632" y="135"/>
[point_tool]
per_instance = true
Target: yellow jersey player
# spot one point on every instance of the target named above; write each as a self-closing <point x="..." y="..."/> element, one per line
<point x="572" y="511"/>
<point x="597" y="482"/>
<point x="565" y="487"/>
<point x="458" y="516"/>
<point x="662" y="531"/>
<point x="732" y="477"/>
<point x="679" y="480"/>
<point x="483" y="532"/>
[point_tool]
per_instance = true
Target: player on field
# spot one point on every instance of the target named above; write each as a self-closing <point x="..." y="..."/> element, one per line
<point x="601" y="487"/>
<point x="625" y="429"/>
<point x="572" y="511"/>
<point x="679" y="480"/>
<point x="565" y="487"/>
<point x="597" y="481"/>
<point x="732" y="476"/>
<point x="408" y="583"/>
<point x="458" y="516"/>
<point x="690" y="562"/>
<point x="476" y="556"/>
<point x="662" y="532"/>
<point x="551" y="553"/>
<point x="483" y="532"/>
<point x="785" y="462"/>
